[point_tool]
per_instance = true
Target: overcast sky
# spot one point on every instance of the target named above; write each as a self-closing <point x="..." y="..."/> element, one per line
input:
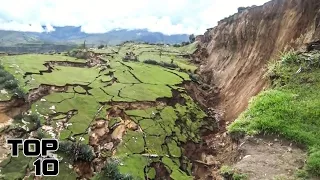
<point x="98" y="16"/>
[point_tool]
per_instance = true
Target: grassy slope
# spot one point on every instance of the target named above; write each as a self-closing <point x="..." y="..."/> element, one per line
<point x="137" y="82"/>
<point x="290" y="108"/>
<point x="33" y="63"/>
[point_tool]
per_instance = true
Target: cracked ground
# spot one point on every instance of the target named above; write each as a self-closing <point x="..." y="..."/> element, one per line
<point x="137" y="113"/>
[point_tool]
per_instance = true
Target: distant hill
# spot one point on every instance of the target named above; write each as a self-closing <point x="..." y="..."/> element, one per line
<point x="71" y="34"/>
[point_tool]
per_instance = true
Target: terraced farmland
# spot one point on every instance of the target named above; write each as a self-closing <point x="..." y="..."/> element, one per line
<point x="111" y="107"/>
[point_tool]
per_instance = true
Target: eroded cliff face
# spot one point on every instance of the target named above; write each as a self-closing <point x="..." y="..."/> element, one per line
<point x="240" y="46"/>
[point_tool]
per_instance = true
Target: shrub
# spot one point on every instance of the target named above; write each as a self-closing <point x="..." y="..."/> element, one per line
<point x="169" y="65"/>
<point x="289" y="57"/>
<point x="3" y="73"/>
<point x="150" y="61"/>
<point x="2" y="80"/>
<point x="18" y="92"/>
<point x="239" y="176"/>
<point x="229" y="173"/>
<point x="273" y="67"/>
<point x="80" y="54"/>
<point x="8" y="82"/>
<point x="65" y="146"/>
<point x="77" y="151"/>
<point x="28" y="118"/>
<point x="84" y="152"/>
<point x="101" y="46"/>
<point x="72" y="53"/>
<point x="192" y="38"/>
<point x="185" y="43"/>
<point x="33" y="118"/>
<point x="11" y="84"/>
<point x="40" y="134"/>
<point x="302" y="174"/>
<point x="111" y="172"/>
<point x="226" y="172"/>
<point x="313" y="162"/>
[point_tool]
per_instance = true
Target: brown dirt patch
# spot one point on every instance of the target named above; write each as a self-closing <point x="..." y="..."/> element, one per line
<point x="3" y="118"/>
<point x="269" y="158"/>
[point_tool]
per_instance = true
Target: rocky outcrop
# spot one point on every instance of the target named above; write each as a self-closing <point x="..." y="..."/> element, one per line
<point x="239" y="47"/>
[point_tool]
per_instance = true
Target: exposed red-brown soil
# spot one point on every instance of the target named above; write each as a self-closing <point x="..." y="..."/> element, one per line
<point x="239" y="47"/>
<point x="233" y="57"/>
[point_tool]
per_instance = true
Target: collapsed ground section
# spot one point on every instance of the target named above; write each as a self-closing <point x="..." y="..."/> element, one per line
<point x="145" y="115"/>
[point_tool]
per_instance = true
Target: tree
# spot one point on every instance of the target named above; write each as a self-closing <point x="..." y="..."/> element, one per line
<point x="101" y="46"/>
<point x="192" y="38"/>
<point x="84" y="44"/>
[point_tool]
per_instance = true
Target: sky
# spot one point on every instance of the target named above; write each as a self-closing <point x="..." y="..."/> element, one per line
<point x="99" y="16"/>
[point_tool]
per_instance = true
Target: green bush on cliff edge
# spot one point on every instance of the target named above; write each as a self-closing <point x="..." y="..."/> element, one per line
<point x="290" y="107"/>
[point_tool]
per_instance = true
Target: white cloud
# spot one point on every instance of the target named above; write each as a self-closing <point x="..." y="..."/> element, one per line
<point x="16" y="26"/>
<point x="49" y="28"/>
<point x="98" y="16"/>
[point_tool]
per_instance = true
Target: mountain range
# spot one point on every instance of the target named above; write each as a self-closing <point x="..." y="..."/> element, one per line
<point x="74" y="35"/>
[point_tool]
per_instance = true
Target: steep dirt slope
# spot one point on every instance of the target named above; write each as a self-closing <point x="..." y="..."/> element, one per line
<point x="239" y="47"/>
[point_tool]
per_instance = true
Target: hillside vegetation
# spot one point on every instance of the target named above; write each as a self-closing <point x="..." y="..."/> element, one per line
<point x="290" y="107"/>
<point x="115" y="115"/>
<point x="72" y="34"/>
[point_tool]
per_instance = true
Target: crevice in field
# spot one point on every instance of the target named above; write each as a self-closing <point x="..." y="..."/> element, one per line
<point x="175" y="99"/>
<point x="46" y="89"/>
<point x="41" y="72"/>
<point x="95" y="117"/>
<point x="162" y="51"/>
<point x="74" y="94"/>
<point x="134" y="105"/>
<point x="135" y="77"/>
<point x="67" y="63"/>
<point x="106" y="92"/>
<point x="88" y="85"/>
<point x="129" y="67"/>
<point x="176" y="74"/>
<point x="64" y="117"/>
<point x="16" y="105"/>
<point x="91" y="62"/>
<point x="155" y="128"/>
<point x="111" y="82"/>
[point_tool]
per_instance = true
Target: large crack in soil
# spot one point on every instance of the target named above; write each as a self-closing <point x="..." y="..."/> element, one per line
<point x="17" y="105"/>
<point x="67" y="63"/>
<point x="217" y="147"/>
<point x="133" y="75"/>
<point x="41" y="72"/>
<point x="103" y="137"/>
<point x="94" y="60"/>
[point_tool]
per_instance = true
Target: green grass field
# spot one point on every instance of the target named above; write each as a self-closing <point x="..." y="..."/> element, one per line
<point x="163" y="128"/>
